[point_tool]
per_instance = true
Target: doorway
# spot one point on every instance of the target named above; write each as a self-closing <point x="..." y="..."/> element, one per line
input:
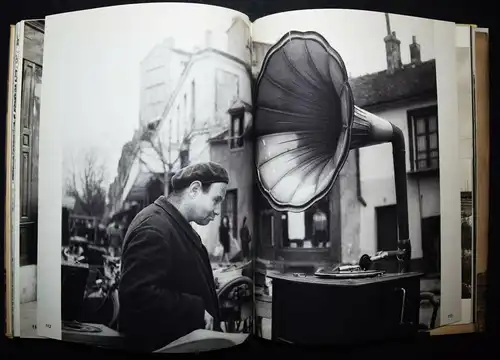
<point x="387" y="235"/>
<point x="431" y="244"/>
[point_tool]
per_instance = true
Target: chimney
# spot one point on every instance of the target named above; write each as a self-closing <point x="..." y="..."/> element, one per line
<point x="392" y="49"/>
<point x="415" y="51"/>
<point x="208" y="38"/>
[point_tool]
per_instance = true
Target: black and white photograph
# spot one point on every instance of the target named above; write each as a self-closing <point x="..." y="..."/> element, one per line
<point x="294" y="177"/>
<point x="31" y="83"/>
<point x="467" y="241"/>
<point x="341" y="198"/>
<point x="466" y="126"/>
<point x="157" y="215"/>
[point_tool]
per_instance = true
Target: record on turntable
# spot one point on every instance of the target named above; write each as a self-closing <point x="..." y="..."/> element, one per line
<point x="78" y="240"/>
<point x="347" y="272"/>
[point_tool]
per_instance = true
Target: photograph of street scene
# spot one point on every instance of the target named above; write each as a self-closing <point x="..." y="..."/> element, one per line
<point x="187" y="102"/>
<point x="28" y="185"/>
<point x="359" y="214"/>
<point x="218" y="181"/>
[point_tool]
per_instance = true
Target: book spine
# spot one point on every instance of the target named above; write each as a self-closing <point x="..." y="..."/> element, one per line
<point x="481" y="86"/>
<point x="8" y="178"/>
<point x="14" y="175"/>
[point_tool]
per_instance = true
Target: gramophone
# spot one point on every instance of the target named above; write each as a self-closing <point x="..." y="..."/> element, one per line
<point x="306" y="123"/>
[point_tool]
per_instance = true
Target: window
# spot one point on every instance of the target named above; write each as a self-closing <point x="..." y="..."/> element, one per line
<point x="307" y="229"/>
<point x="236" y="131"/>
<point x="230" y="209"/>
<point x="424" y="141"/>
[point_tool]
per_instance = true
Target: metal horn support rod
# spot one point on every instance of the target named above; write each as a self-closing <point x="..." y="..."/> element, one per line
<point x="368" y="130"/>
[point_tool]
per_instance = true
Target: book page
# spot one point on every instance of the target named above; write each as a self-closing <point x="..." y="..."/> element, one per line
<point x="8" y="259"/>
<point x="15" y="174"/>
<point x="27" y="184"/>
<point x="146" y="115"/>
<point x="341" y="171"/>
<point x="466" y="119"/>
<point x="474" y="138"/>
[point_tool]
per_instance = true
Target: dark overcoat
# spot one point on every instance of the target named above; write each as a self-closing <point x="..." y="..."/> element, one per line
<point x="166" y="279"/>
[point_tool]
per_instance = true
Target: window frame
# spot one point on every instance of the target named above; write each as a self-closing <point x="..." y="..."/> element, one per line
<point x="236" y="141"/>
<point x="234" y="215"/>
<point x="413" y="116"/>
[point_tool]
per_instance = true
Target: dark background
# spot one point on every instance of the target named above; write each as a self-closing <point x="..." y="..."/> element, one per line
<point x="477" y="12"/>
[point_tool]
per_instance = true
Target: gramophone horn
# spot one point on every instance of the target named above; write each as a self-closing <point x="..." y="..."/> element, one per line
<point x="306" y="121"/>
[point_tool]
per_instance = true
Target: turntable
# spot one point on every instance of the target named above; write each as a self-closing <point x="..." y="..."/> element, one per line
<point x="348" y="272"/>
<point x="361" y="271"/>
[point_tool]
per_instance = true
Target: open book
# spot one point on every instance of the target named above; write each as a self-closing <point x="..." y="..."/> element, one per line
<point x="182" y="177"/>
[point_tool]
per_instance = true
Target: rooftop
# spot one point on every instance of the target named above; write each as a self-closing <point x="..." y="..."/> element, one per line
<point x="413" y="80"/>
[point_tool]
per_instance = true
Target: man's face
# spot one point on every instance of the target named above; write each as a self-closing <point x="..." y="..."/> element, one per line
<point x="207" y="204"/>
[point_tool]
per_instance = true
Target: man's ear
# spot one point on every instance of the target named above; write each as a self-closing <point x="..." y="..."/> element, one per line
<point x="195" y="188"/>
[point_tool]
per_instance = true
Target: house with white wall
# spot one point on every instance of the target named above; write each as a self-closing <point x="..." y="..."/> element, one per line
<point x="194" y="101"/>
<point x="233" y="149"/>
<point x="405" y="95"/>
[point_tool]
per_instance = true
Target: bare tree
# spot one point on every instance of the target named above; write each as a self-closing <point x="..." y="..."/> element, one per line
<point x="156" y="144"/>
<point x="87" y="186"/>
<point x="162" y="150"/>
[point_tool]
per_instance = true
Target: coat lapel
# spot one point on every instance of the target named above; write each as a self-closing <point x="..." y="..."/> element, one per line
<point x="195" y="239"/>
<point x="183" y="224"/>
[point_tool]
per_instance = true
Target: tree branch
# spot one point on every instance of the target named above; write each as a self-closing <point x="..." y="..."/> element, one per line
<point x="89" y="192"/>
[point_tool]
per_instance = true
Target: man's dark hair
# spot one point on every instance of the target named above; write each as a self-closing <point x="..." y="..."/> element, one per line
<point x="205" y="187"/>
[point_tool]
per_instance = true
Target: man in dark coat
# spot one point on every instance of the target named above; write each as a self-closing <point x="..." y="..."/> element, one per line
<point x="167" y="288"/>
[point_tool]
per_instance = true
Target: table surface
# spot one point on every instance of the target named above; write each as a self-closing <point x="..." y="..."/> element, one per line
<point x="312" y="279"/>
<point x="105" y="331"/>
<point x="106" y="338"/>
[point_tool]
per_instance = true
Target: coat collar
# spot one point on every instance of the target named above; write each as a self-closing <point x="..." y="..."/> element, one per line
<point x="179" y="219"/>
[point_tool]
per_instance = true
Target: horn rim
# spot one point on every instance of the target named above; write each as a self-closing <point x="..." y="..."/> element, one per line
<point x="345" y="149"/>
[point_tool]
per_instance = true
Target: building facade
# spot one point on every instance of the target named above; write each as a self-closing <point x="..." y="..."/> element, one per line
<point x="414" y="111"/>
<point x="233" y="149"/>
<point x="183" y="105"/>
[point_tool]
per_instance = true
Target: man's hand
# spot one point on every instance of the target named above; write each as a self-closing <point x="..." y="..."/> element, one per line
<point x="209" y="321"/>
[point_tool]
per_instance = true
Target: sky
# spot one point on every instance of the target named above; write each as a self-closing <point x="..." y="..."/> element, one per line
<point x="96" y="55"/>
<point x="92" y="58"/>
<point x="358" y="36"/>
